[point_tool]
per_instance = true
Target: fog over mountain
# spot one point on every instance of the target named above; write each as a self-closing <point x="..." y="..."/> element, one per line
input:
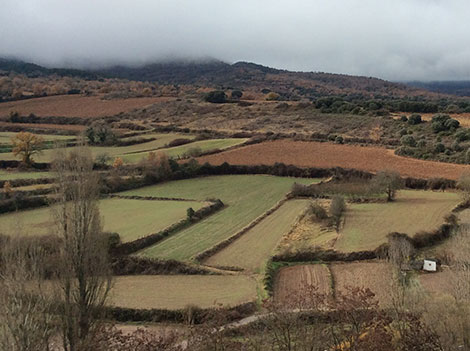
<point x="394" y="40"/>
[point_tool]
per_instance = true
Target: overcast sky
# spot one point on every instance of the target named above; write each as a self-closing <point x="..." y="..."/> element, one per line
<point x="391" y="39"/>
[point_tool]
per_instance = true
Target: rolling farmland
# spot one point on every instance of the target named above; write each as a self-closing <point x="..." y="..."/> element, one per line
<point x="254" y="248"/>
<point x="246" y="197"/>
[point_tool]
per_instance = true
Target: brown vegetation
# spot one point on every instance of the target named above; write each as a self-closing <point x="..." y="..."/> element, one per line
<point x="315" y="154"/>
<point x="75" y="106"/>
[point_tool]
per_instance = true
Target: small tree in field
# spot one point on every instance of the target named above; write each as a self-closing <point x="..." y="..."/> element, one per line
<point x="26" y="145"/>
<point x="388" y="182"/>
<point x="337" y="207"/>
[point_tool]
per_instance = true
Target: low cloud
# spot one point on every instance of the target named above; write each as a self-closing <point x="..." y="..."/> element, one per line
<point x="395" y="40"/>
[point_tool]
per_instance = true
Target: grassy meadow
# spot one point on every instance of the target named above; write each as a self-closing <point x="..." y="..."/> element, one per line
<point x="367" y="225"/>
<point x="246" y="197"/>
<point x="130" y="218"/>
<point x="179" y="291"/>
<point x="254" y="248"/>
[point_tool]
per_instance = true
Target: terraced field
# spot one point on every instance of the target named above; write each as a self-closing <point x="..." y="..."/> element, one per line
<point x="178" y="151"/>
<point x="246" y="197"/>
<point x="367" y="225"/>
<point x="179" y="291"/>
<point x="130" y="218"/>
<point x="254" y="248"/>
<point x="113" y="151"/>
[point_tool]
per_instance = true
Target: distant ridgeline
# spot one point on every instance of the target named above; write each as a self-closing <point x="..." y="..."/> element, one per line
<point x="460" y="88"/>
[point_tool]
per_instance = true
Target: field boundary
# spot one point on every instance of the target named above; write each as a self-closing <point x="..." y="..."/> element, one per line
<point x="190" y="315"/>
<point x="150" y="198"/>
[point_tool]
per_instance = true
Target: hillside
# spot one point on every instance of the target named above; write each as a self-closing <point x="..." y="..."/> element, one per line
<point x="460" y="88"/>
<point x="245" y="75"/>
<point x="240" y="75"/>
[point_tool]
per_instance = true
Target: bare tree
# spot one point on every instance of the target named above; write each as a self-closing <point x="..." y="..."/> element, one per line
<point x="85" y="278"/>
<point x="337" y="207"/>
<point x="388" y="182"/>
<point x="26" y="323"/>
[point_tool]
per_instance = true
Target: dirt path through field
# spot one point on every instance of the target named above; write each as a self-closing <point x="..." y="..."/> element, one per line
<point x="325" y="155"/>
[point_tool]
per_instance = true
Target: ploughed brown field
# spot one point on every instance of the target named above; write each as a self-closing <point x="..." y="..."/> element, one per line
<point x="75" y="106"/>
<point x="325" y="155"/>
<point x="294" y="281"/>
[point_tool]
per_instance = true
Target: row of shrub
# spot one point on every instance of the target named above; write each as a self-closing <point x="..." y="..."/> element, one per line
<point x="223" y="244"/>
<point x="18" y="164"/>
<point x="26" y="182"/>
<point x="149" y="240"/>
<point x="18" y="202"/>
<point x="189" y="315"/>
<point x="32" y="118"/>
<point x="134" y="141"/>
<point x="133" y="265"/>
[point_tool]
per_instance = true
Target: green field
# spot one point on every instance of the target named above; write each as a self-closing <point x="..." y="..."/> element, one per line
<point x="113" y="151"/>
<point x="130" y="218"/>
<point x="5" y="137"/>
<point x="179" y="291"/>
<point x="6" y="175"/>
<point x="178" y="151"/>
<point x="255" y="247"/>
<point x="246" y="197"/>
<point x="367" y="225"/>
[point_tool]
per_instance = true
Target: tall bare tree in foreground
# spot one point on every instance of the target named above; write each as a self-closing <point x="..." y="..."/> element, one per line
<point x="25" y="320"/>
<point x="85" y="278"/>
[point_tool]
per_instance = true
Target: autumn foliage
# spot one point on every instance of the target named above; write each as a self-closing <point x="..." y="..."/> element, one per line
<point x="27" y="145"/>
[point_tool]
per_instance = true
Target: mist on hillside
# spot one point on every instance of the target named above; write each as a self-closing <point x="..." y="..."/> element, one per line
<point x="395" y="40"/>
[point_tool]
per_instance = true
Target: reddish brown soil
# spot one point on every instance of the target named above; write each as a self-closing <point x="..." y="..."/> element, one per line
<point x="292" y="281"/>
<point x="75" y="106"/>
<point x="325" y="155"/>
<point x="372" y="275"/>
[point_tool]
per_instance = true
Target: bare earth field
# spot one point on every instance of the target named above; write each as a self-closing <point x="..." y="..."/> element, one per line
<point x="74" y="106"/>
<point x="325" y="155"/>
<point x="292" y="280"/>
<point x="373" y="275"/>
<point x="179" y="291"/>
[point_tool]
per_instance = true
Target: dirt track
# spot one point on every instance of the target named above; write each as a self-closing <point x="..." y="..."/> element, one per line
<point x="325" y="155"/>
